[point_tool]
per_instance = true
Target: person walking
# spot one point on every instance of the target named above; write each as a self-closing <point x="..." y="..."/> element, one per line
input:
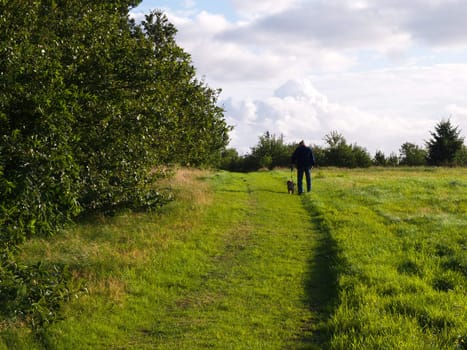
<point x="304" y="160"/>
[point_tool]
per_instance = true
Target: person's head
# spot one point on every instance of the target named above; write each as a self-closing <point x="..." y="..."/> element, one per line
<point x="301" y="143"/>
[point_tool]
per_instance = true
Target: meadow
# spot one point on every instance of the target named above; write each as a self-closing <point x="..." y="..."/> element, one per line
<point x="370" y="259"/>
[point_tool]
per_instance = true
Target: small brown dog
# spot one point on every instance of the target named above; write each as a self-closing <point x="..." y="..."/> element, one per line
<point x="290" y="187"/>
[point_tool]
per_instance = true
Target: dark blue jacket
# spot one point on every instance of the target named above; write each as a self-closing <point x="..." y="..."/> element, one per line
<point x="303" y="157"/>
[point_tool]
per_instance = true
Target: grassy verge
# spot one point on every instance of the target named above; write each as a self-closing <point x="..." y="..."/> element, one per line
<point x="403" y="257"/>
<point x="372" y="259"/>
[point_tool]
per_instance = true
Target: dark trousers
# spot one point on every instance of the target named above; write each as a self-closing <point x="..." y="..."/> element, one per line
<point x="300" y="172"/>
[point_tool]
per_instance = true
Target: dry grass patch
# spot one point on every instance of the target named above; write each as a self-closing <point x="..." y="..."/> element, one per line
<point x="113" y="288"/>
<point x="187" y="185"/>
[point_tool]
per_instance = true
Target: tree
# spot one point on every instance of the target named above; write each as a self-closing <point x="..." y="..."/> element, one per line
<point x="40" y="174"/>
<point x="412" y="155"/>
<point x="338" y="152"/>
<point x="379" y="159"/>
<point x="461" y="156"/>
<point x="90" y="105"/>
<point x="393" y="159"/>
<point x="319" y="153"/>
<point x="189" y="127"/>
<point x="334" y="139"/>
<point x="230" y="160"/>
<point x="341" y="154"/>
<point x="361" y="157"/>
<point x="271" y="151"/>
<point x="444" y="144"/>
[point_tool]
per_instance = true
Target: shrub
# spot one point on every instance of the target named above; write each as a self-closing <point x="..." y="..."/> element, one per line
<point x="34" y="293"/>
<point x="90" y="104"/>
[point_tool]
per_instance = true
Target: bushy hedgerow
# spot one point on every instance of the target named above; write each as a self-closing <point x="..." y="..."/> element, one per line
<point x="91" y="103"/>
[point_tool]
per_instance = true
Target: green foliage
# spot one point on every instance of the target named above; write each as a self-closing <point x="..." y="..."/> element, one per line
<point x="34" y="293"/>
<point x="445" y="143"/>
<point x="380" y="159"/>
<point x="230" y="160"/>
<point x="92" y="105"/>
<point x="39" y="171"/>
<point x="412" y="155"/>
<point x="92" y="102"/>
<point x="188" y="126"/>
<point x="393" y="159"/>
<point x="271" y="151"/>
<point x="340" y="154"/>
<point x="461" y="156"/>
<point x="361" y="157"/>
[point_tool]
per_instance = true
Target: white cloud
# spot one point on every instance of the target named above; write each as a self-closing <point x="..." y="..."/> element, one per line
<point x="324" y="24"/>
<point x="304" y="68"/>
<point x="457" y="111"/>
<point x="372" y="111"/>
<point x="407" y="91"/>
<point x="443" y="26"/>
<point x="297" y="111"/>
<point x="253" y="9"/>
<point x="225" y="60"/>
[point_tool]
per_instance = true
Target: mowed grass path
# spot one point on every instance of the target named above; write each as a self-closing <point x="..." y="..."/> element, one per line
<point x="371" y="259"/>
<point x="226" y="266"/>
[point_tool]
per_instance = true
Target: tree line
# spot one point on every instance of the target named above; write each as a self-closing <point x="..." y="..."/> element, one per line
<point x="445" y="148"/>
<point x="93" y="107"/>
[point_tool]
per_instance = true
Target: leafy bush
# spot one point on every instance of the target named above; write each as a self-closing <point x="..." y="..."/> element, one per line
<point x="461" y="157"/>
<point x="380" y="159"/>
<point x="339" y="153"/>
<point x="412" y="155"/>
<point x="91" y="104"/>
<point x="34" y="293"/>
<point x="271" y="151"/>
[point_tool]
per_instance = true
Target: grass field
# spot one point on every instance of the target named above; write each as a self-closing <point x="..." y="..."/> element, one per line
<point x="371" y="259"/>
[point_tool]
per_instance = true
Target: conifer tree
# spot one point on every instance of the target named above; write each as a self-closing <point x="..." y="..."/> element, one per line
<point x="445" y="143"/>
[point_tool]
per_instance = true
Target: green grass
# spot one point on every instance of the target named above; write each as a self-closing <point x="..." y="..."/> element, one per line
<point x="402" y="238"/>
<point x="371" y="259"/>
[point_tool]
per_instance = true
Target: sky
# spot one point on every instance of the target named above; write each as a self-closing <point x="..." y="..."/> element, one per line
<point x="379" y="72"/>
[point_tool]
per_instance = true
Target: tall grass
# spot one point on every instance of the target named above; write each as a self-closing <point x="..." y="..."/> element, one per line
<point x="371" y="259"/>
